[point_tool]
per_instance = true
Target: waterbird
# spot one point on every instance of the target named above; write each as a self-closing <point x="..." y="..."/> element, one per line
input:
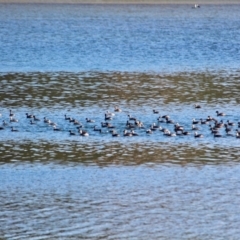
<point x="88" y="120"/>
<point x="4" y="123"/>
<point x="149" y="131"/>
<point x="185" y="133"/>
<point x="133" y="133"/>
<point x="126" y="133"/>
<point x="220" y="113"/>
<point x="237" y="135"/>
<point x="198" y="135"/>
<point x="83" y="133"/>
<point x="56" y="129"/>
<point x="197" y="106"/>
<point x="11" y="114"/>
<point x="76" y="122"/>
<point x="169" y="133"/>
<point x="115" y="134"/>
<point x="13" y="119"/>
<point x="108" y="117"/>
<point x="97" y="129"/>
<point x="108" y="113"/>
<point x="117" y="109"/>
<point x="154" y="127"/>
<point x="230" y="123"/>
<point x="195" y="127"/>
<point x="155" y="111"/>
<point x="13" y="129"/>
<point x="131" y="118"/>
<point x="217" y="135"/>
<point x="35" y="118"/>
<point x="168" y="120"/>
<point x="29" y="115"/>
<point x="71" y="133"/>
<point x="1" y="128"/>
<point x="104" y="124"/>
<point x="195" y="121"/>
<point x="67" y="118"/>
<point x="45" y="120"/>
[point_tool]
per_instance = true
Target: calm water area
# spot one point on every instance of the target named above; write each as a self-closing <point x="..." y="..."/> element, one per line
<point x="81" y="61"/>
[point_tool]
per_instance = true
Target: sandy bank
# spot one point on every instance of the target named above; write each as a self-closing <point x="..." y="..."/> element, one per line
<point x="201" y="2"/>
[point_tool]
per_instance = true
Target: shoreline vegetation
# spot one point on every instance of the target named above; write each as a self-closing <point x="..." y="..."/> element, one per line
<point x="192" y="2"/>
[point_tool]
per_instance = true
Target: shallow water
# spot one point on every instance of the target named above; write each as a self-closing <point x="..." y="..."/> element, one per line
<point x="83" y="60"/>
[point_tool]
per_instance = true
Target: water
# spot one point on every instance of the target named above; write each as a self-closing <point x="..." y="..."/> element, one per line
<point x="83" y="60"/>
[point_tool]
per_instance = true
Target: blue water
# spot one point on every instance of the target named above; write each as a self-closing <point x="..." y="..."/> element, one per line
<point x="82" y="60"/>
<point x="72" y="37"/>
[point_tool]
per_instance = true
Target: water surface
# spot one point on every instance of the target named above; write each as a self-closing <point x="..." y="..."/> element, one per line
<point x="83" y="60"/>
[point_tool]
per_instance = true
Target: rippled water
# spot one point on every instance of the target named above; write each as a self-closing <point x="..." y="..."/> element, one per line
<point x="83" y="60"/>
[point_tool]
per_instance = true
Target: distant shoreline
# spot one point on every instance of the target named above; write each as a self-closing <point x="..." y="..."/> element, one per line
<point x="192" y="2"/>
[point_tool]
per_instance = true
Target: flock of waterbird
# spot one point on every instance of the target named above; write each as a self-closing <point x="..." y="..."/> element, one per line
<point x="134" y="127"/>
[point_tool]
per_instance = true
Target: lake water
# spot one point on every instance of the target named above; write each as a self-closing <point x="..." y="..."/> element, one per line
<point x="84" y="60"/>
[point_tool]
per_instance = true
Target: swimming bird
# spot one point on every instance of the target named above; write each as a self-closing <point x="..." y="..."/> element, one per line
<point x="127" y="134"/>
<point x="237" y="135"/>
<point x="168" y="133"/>
<point x="168" y="120"/>
<point x="83" y="133"/>
<point x="138" y="124"/>
<point x="1" y="128"/>
<point x="107" y="117"/>
<point x="195" y="121"/>
<point x="131" y="118"/>
<point x="130" y="125"/>
<point x="29" y="115"/>
<point x="76" y="122"/>
<point x="230" y="123"/>
<point x="13" y="119"/>
<point x="195" y="127"/>
<point x="197" y="106"/>
<point x="185" y="133"/>
<point x="160" y="119"/>
<point x="214" y="130"/>
<point x="154" y="127"/>
<point x="217" y="135"/>
<point x="109" y="125"/>
<point x="35" y="118"/>
<point x="56" y="129"/>
<point x="45" y="120"/>
<point x="220" y="113"/>
<point x="89" y="120"/>
<point x="155" y="111"/>
<point x="133" y="133"/>
<point x="32" y="123"/>
<point x="227" y="129"/>
<point x="13" y="129"/>
<point x="67" y="118"/>
<point x="165" y="116"/>
<point x="198" y="135"/>
<point x="149" y="131"/>
<point x="4" y="123"/>
<point x="202" y="121"/>
<point x="104" y="124"/>
<point x="108" y="113"/>
<point x="178" y="127"/>
<point x="115" y="134"/>
<point x="117" y="109"/>
<point x="97" y="129"/>
<point x="11" y="114"/>
<point x="72" y="133"/>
